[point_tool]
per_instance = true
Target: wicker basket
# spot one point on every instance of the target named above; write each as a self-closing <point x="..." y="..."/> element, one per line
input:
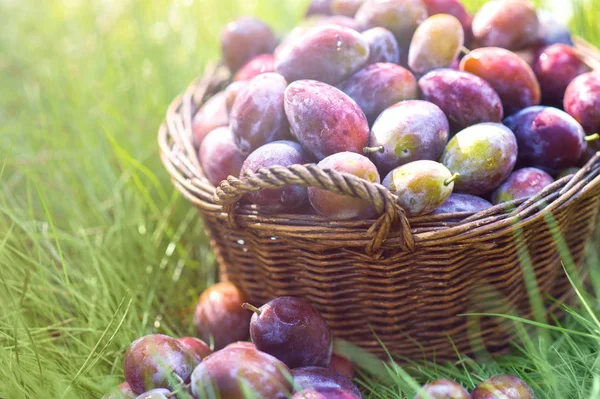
<point x="404" y="282"/>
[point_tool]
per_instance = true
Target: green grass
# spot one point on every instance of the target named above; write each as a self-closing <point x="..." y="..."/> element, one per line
<point x="97" y="248"/>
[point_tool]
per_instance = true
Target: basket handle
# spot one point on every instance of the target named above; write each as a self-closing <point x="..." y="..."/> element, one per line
<point x="230" y="191"/>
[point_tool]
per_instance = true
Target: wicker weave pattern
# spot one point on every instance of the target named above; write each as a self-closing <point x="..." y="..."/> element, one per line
<point x="406" y="280"/>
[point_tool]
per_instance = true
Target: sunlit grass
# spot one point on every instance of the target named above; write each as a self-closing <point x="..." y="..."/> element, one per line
<point x="97" y="248"/>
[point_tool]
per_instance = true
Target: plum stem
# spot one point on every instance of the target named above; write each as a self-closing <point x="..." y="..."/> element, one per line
<point x="452" y="179"/>
<point x="370" y="150"/>
<point x="252" y="308"/>
<point x="592" y="137"/>
<point x="465" y="50"/>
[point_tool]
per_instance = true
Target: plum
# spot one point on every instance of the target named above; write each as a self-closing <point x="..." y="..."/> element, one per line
<point x="567" y="172"/>
<point x="219" y="156"/>
<point x="454" y="8"/>
<point x="219" y="315"/>
<point x="511" y="24"/>
<point x="211" y="115"/>
<point x="342" y="366"/>
<point x="343" y="207"/>
<point x="243" y="39"/>
<point x="232" y="91"/>
<point x="522" y="183"/>
<point x="327" y="53"/>
<point x="239" y="373"/>
<point x="421" y="186"/>
<point x="443" y="389"/>
<point x="318" y="378"/>
<point x="547" y="137"/>
<point x="406" y="132"/>
<point x="160" y="393"/>
<point x="196" y="346"/>
<point x="258" y="116"/>
<point x="503" y="386"/>
<point x="258" y="65"/>
<point x="462" y="203"/>
<point x="329" y="393"/>
<point x="383" y="46"/>
<point x="436" y="43"/>
<point x="157" y="361"/>
<point x="551" y="30"/>
<point x="379" y="86"/>
<point x="293" y="331"/>
<point x="319" y="7"/>
<point x="466" y="99"/>
<point x="123" y="391"/>
<point x="278" y="153"/>
<point x="582" y="101"/>
<point x="324" y="119"/>
<point x="345" y="7"/>
<point x="483" y="154"/>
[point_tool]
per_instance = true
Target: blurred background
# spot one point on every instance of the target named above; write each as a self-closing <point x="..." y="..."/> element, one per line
<point x="96" y="247"/>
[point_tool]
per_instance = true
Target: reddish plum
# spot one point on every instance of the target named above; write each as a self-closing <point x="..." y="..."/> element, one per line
<point x="342" y="366"/>
<point x="211" y="115"/>
<point x="243" y="39"/>
<point x="330" y="393"/>
<point x="232" y="91"/>
<point x="219" y="156"/>
<point x="582" y="101"/>
<point x="196" y="346"/>
<point x="260" y="64"/>
<point x="523" y="183"/>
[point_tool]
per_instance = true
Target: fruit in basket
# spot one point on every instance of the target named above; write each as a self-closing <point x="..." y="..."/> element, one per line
<point x="211" y="115"/>
<point x="260" y="64"/>
<point x="316" y="21"/>
<point x="383" y="46"/>
<point x="278" y="153"/>
<point x="219" y="316"/>
<point x="329" y="393"/>
<point x="379" y="86"/>
<point x="240" y="373"/>
<point x="160" y="393"/>
<point x="503" y="386"/>
<point x="339" y="206"/>
<point x="196" y="346"/>
<point x="243" y="39"/>
<point x="466" y="99"/>
<point x="484" y="155"/>
<point x="443" y="389"/>
<point x="454" y="8"/>
<point x="241" y="344"/>
<point x="306" y="378"/>
<point x="511" y="24"/>
<point x="326" y="53"/>
<point x="219" y="156"/>
<point x="123" y="391"/>
<point x="324" y="119"/>
<point x="157" y="361"/>
<point x="511" y="77"/>
<point x="345" y="7"/>
<point x="342" y="366"/>
<point x="436" y="43"/>
<point x="232" y="91"/>
<point x="421" y="186"/>
<point x="319" y="7"/>
<point x="551" y="30"/>
<point x="555" y="67"/>
<point x="406" y="132"/>
<point x="462" y="203"/>
<point x="523" y="183"/>
<point x="401" y="17"/>
<point x="258" y="116"/>
<point x="547" y="137"/>
<point x="582" y="101"/>
<point x="293" y="331"/>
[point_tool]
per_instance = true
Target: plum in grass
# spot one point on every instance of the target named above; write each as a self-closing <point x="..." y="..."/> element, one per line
<point x="258" y="116"/>
<point x="484" y="155"/>
<point x="503" y="386"/>
<point x="436" y="43"/>
<point x="324" y="119"/>
<point x="219" y="316"/>
<point x="329" y="393"/>
<point x="159" y="393"/>
<point x="322" y="378"/>
<point x="342" y="365"/>
<point x="421" y="186"/>
<point x="555" y="67"/>
<point x="383" y="46"/>
<point x="278" y="153"/>
<point x="582" y="101"/>
<point x="443" y="389"/>
<point x="339" y="206"/>
<point x="219" y="156"/>
<point x="325" y="53"/>
<point x="466" y="99"/>
<point x="293" y="331"/>
<point x="157" y="361"/>
<point x="379" y="86"/>
<point x="523" y="183"/>
<point x="510" y="24"/>
<point x="196" y="346"/>
<point x="548" y="138"/>
<point x="510" y="76"/>
<point x="258" y="65"/>
<point x="123" y="391"/>
<point x="211" y="115"/>
<point x="239" y="373"/>
<point x="406" y="132"/>
<point x="457" y="203"/>
<point x="401" y="17"/>
<point x="243" y="39"/>
<point x="345" y="7"/>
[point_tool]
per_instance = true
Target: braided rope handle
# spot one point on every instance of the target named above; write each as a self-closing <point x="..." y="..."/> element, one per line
<point x="230" y="192"/>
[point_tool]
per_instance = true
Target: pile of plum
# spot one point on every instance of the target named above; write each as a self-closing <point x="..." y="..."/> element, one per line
<point x="290" y="356"/>
<point x="388" y="90"/>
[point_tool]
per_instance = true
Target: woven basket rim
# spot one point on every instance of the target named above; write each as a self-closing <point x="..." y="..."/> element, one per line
<point x="181" y="161"/>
